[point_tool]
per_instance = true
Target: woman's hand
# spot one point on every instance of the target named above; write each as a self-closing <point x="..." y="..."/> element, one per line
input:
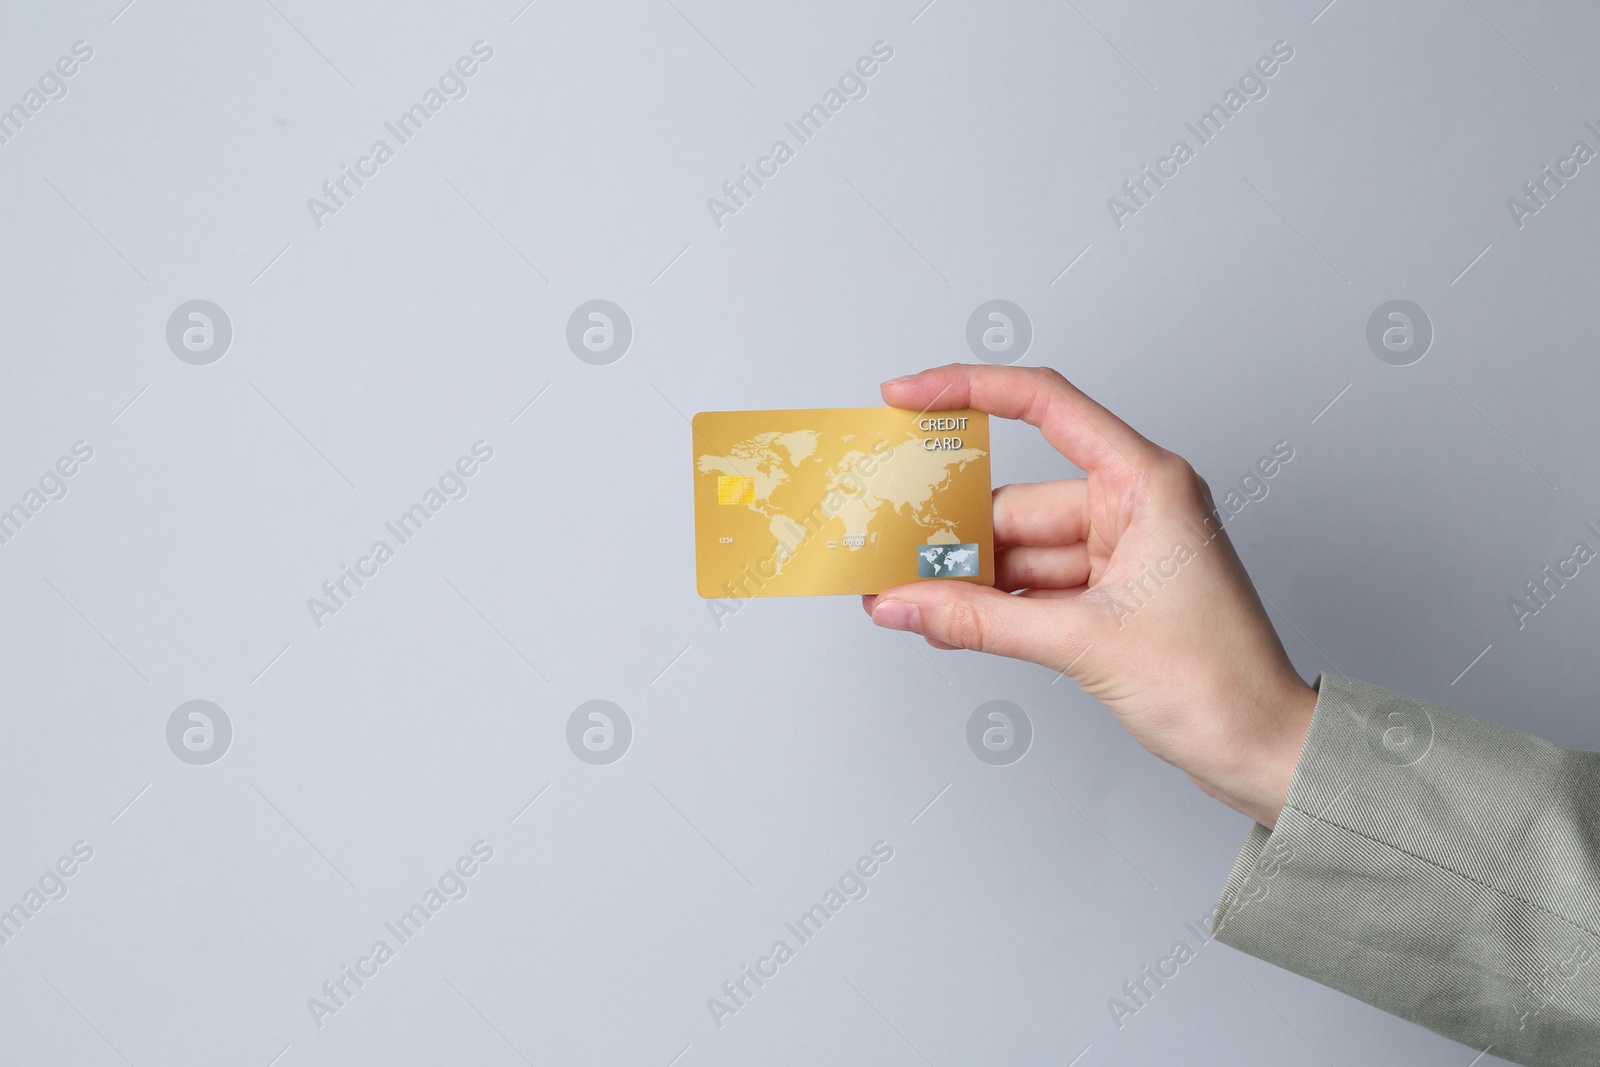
<point x="1125" y="582"/>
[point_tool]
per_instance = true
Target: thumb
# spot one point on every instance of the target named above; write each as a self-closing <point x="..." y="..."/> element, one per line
<point x="981" y="618"/>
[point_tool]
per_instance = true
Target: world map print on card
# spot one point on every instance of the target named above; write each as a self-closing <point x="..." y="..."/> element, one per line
<point x="840" y="500"/>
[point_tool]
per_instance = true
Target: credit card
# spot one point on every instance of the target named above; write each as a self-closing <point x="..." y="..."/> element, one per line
<point x="832" y="501"/>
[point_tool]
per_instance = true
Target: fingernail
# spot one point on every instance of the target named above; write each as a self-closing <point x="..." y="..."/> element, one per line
<point x="902" y="378"/>
<point x="897" y="615"/>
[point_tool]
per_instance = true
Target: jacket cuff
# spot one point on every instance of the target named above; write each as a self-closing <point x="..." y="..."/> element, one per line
<point x="1436" y="866"/>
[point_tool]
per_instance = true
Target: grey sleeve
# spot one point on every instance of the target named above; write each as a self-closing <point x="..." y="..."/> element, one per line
<point x="1436" y="866"/>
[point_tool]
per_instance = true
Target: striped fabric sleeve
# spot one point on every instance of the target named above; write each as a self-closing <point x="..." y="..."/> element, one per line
<point x="1438" y="867"/>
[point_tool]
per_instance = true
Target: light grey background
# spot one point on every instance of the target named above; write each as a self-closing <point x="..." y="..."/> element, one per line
<point x="772" y="751"/>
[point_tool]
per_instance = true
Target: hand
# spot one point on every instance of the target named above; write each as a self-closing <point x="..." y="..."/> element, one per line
<point x="1125" y="582"/>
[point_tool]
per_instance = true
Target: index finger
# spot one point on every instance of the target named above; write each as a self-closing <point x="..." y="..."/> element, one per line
<point x="1076" y="426"/>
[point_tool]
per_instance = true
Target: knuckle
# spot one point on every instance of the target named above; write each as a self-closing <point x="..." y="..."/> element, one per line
<point x="1013" y="568"/>
<point x="1006" y="504"/>
<point x="1176" y="482"/>
<point x="1050" y="384"/>
<point x="1172" y="474"/>
<point x="963" y="626"/>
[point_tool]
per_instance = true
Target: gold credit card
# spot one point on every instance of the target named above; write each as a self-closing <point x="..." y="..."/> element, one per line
<point x="830" y="501"/>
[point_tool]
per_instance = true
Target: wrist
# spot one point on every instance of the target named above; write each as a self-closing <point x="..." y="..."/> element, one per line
<point x="1254" y="776"/>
